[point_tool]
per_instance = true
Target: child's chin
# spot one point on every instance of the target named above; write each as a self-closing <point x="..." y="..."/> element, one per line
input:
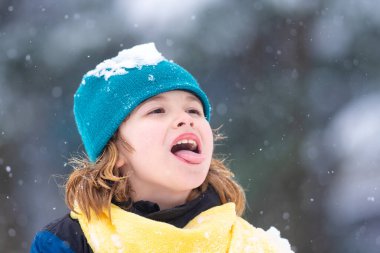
<point x="193" y="182"/>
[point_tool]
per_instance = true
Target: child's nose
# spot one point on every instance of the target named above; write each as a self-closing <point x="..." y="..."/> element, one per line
<point x="183" y="120"/>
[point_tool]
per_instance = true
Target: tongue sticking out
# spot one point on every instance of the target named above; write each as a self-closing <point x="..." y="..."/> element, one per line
<point x="190" y="156"/>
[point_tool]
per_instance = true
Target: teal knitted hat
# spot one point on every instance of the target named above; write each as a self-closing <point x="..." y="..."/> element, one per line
<point x="110" y="92"/>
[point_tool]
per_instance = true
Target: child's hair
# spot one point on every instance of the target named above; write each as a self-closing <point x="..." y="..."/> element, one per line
<point x="92" y="186"/>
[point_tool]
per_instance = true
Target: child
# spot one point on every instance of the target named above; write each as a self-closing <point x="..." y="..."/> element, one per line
<point x="150" y="184"/>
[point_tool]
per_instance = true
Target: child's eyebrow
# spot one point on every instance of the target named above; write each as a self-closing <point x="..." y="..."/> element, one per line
<point x="191" y="97"/>
<point x="157" y="97"/>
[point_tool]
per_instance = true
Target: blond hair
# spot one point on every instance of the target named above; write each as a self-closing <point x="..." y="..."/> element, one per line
<point x="92" y="186"/>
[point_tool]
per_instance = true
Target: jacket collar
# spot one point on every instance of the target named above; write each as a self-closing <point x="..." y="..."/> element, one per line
<point x="178" y="216"/>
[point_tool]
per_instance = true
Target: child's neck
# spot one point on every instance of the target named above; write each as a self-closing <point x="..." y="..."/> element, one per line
<point x="164" y="200"/>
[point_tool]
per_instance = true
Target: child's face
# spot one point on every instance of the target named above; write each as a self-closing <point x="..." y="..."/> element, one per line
<point x="159" y="164"/>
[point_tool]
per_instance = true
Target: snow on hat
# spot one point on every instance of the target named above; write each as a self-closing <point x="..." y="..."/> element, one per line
<point x="110" y="92"/>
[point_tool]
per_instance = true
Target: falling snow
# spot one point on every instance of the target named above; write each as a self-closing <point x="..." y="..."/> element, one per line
<point x="12" y="232"/>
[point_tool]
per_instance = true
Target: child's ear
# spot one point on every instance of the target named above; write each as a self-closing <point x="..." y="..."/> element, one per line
<point x="120" y="162"/>
<point x="120" y="159"/>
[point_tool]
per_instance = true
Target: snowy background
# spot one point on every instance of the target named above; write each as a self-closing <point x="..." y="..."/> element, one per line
<point x="295" y="84"/>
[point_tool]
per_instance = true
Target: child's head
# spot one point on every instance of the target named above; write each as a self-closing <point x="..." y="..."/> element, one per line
<point x="110" y="92"/>
<point x="144" y="123"/>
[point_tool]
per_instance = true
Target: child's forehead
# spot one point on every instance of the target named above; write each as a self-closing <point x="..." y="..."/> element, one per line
<point x="186" y="95"/>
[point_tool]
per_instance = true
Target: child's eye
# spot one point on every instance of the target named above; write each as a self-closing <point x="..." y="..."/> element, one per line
<point x="156" y="111"/>
<point x="195" y="111"/>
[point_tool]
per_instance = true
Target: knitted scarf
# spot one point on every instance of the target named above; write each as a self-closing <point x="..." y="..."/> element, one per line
<point x="215" y="230"/>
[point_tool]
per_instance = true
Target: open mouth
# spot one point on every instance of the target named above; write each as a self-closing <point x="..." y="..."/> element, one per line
<point x="187" y="145"/>
<point x="187" y="148"/>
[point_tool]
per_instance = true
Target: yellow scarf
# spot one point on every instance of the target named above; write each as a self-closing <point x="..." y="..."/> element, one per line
<point x="215" y="230"/>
